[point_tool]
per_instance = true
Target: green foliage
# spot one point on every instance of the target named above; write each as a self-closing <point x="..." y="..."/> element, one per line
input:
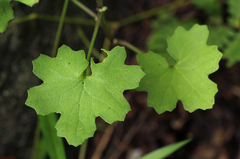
<point x="233" y="8"/>
<point x="188" y="79"/>
<point x="223" y="40"/>
<point x="165" y="151"/>
<point x="6" y="14"/>
<point x="232" y="52"/>
<point x="180" y="73"/>
<point x="81" y="99"/>
<point x="212" y="7"/>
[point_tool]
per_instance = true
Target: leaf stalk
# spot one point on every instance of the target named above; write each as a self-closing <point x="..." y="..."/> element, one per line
<point x="94" y="36"/>
<point x="87" y="72"/>
<point x="59" y="30"/>
<point x="170" y="60"/>
<point x="83" y="150"/>
<point x="33" y="16"/>
<point x="86" y="42"/>
<point x="85" y="8"/>
<point x="128" y="45"/>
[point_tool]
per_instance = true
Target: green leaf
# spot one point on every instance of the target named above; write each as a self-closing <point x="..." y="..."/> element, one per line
<point x="28" y="2"/>
<point x="232" y="52"/>
<point x="81" y="100"/>
<point x="165" y="151"/>
<point x="6" y="14"/>
<point x="188" y="79"/>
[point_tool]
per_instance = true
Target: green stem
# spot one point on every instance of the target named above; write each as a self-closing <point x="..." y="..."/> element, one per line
<point x="34" y="16"/>
<point x="104" y="24"/>
<point x="170" y="60"/>
<point x="86" y="42"/>
<point x="99" y="3"/>
<point x="29" y="17"/>
<point x="53" y="144"/>
<point x="87" y="72"/>
<point x="94" y="36"/>
<point x="83" y="149"/>
<point x="106" y="44"/>
<point x="128" y="45"/>
<point x="60" y="25"/>
<point x="85" y="8"/>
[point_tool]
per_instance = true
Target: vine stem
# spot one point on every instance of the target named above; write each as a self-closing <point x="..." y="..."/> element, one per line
<point x="86" y="42"/>
<point x="83" y="150"/>
<point x="85" y="8"/>
<point x="33" y="16"/>
<point x="59" y="30"/>
<point x="94" y="35"/>
<point x="128" y="45"/>
<point x="170" y="60"/>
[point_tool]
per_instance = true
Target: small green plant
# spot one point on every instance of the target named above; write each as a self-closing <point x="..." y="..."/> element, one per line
<point x="81" y="90"/>
<point x="81" y="98"/>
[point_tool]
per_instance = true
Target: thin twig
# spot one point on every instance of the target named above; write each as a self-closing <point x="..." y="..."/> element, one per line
<point x="59" y="30"/>
<point x="86" y="42"/>
<point x="128" y="45"/>
<point x="85" y="8"/>
<point x="34" y="16"/>
<point x="83" y="150"/>
<point x="104" y="141"/>
<point x="94" y="35"/>
<point x="131" y="132"/>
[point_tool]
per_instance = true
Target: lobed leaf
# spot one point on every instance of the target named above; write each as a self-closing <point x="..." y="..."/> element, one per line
<point x="188" y="79"/>
<point x="80" y="100"/>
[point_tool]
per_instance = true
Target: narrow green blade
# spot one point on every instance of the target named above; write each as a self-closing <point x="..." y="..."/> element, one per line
<point x="42" y="150"/>
<point x="54" y="144"/>
<point x="165" y="151"/>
